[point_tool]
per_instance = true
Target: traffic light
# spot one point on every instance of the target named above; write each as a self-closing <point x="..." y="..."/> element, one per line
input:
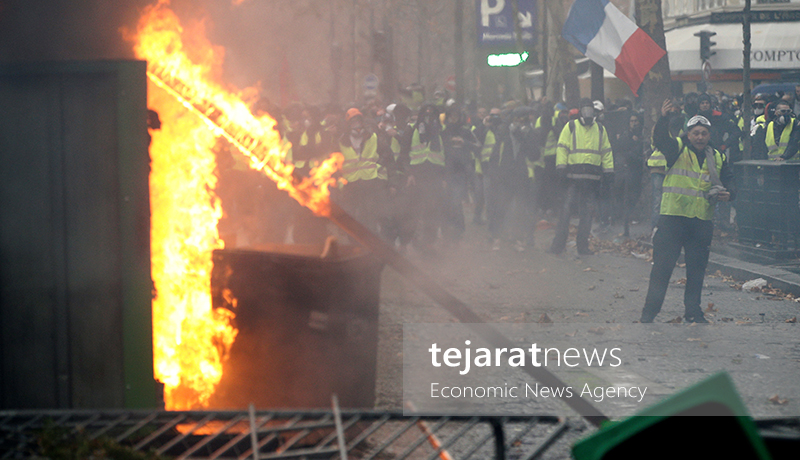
<point x="706" y="44"/>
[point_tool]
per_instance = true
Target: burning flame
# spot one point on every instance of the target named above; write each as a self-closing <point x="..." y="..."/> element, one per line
<point x="190" y="338"/>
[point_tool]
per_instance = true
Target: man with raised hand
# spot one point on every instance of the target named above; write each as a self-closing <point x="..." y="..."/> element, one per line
<point x="698" y="176"/>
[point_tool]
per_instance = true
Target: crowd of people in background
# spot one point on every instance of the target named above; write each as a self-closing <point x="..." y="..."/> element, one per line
<point x="416" y="169"/>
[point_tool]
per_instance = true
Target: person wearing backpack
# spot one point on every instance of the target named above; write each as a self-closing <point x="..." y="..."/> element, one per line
<point x="584" y="159"/>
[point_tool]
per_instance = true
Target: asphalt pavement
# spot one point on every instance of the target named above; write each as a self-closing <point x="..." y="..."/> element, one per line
<point x="753" y="336"/>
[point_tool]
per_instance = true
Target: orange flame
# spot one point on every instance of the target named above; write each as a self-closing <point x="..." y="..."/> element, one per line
<point x="190" y="338"/>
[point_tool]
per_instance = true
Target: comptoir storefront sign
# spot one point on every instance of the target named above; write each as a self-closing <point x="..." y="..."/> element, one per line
<point x="782" y="56"/>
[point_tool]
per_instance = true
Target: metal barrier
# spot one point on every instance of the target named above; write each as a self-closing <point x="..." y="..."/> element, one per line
<point x="289" y="434"/>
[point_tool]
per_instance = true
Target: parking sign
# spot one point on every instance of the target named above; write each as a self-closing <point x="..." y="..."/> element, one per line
<point x="496" y="22"/>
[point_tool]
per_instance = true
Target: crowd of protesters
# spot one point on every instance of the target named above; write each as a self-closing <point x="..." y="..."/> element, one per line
<point x="417" y="168"/>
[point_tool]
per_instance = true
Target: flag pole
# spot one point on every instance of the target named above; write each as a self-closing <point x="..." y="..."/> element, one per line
<point x="598" y="82"/>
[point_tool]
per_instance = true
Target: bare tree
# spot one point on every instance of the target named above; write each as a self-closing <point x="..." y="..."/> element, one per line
<point x="657" y="85"/>
<point x="560" y="56"/>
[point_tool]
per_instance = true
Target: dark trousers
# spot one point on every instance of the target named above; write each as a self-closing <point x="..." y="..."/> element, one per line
<point x="549" y="192"/>
<point x="480" y="184"/>
<point x="630" y="196"/>
<point x="505" y="193"/>
<point x="676" y="232"/>
<point x="366" y="201"/>
<point x="400" y="224"/>
<point x="581" y="197"/>
<point x="428" y="198"/>
<point x="456" y="192"/>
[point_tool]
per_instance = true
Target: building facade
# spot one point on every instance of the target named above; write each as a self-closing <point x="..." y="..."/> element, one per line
<point x="775" y="42"/>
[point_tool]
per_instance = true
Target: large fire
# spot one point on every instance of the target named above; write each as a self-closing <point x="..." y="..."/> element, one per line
<point x="190" y="338"/>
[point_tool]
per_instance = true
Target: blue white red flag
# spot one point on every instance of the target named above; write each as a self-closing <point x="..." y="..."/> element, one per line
<point x="606" y="36"/>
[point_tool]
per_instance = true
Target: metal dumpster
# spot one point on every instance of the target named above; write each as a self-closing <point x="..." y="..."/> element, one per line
<point x="308" y="326"/>
<point x="75" y="287"/>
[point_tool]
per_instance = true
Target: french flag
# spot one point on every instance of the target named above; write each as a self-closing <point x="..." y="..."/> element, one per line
<point x="606" y="36"/>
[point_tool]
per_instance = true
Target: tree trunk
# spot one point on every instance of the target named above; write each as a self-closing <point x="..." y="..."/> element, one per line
<point x="657" y="85"/>
<point x="458" y="51"/>
<point x="560" y="58"/>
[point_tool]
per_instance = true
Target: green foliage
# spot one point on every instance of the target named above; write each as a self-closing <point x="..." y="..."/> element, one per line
<point x="59" y="443"/>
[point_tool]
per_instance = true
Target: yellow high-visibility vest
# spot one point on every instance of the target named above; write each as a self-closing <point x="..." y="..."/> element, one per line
<point x="532" y="168"/>
<point x="685" y="185"/>
<point x="303" y="143"/>
<point x="776" y="150"/>
<point x="421" y="152"/>
<point x="488" y="145"/>
<point x="362" y="166"/>
<point x="551" y="142"/>
<point x="657" y="162"/>
<point x="584" y="145"/>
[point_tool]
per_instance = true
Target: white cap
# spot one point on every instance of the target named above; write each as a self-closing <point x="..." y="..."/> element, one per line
<point x="598" y="106"/>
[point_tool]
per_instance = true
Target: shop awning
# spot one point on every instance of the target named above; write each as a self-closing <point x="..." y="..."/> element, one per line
<point x="774" y="46"/>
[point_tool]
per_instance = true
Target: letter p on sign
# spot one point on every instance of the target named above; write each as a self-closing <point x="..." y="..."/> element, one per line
<point x="487" y="10"/>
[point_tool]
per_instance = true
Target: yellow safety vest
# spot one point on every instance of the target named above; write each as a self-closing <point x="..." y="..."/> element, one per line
<point x="532" y="167"/>
<point x="747" y="132"/>
<point x="303" y="143"/>
<point x="500" y="152"/>
<point x="551" y="142"/>
<point x="740" y="124"/>
<point x="364" y="166"/>
<point x="395" y="146"/>
<point x="420" y="153"/>
<point x="685" y="185"/>
<point x="584" y="145"/>
<point x="486" y="151"/>
<point x="488" y="145"/>
<point x="286" y="150"/>
<point x="776" y="150"/>
<point x="657" y="160"/>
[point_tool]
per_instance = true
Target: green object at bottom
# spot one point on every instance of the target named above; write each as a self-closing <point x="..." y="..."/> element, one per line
<point x="707" y="420"/>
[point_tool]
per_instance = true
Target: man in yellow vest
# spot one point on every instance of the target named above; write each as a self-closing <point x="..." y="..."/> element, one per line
<point x="511" y="181"/>
<point x="364" y="194"/>
<point x="584" y="159"/>
<point x="392" y="133"/>
<point x="485" y="133"/>
<point x="783" y="134"/>
<point x="758" y="135"/>
<point x="698" y="176"/>
<point x="548" y="128"/>
<point x="756" y="121"/>
<point x="427" y="168"/>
